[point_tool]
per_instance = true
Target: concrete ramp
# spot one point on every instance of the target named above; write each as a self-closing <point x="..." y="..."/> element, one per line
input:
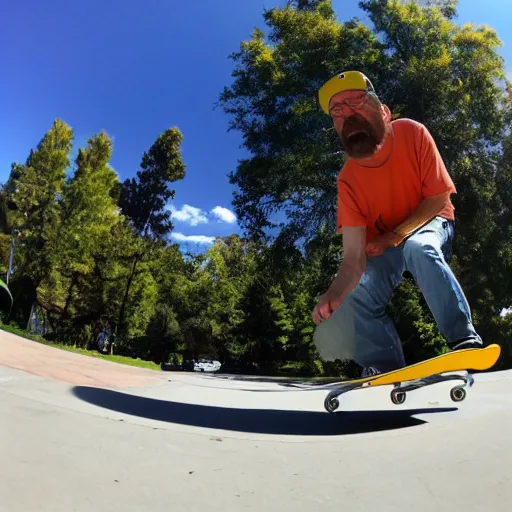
<point x="78" y="433"/>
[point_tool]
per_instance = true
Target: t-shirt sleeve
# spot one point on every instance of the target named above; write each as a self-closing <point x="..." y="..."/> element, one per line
<point x="349" y="213"/>
<point x="435" y="179"/>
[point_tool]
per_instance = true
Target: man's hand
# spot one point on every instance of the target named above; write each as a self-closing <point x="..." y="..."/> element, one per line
<point x="382" y="242"/>
<point x="327" y="303"/>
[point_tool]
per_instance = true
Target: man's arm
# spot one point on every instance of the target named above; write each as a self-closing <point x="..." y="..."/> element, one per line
<point x="423" y="214"/>
<point x="354" y="261"/>
<point x="429" y="208"/>
<point x="349" y="274"/>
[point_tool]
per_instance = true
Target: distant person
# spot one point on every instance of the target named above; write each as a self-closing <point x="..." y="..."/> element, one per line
<point x="395" y="214"/>
<point x="103" y="339"/>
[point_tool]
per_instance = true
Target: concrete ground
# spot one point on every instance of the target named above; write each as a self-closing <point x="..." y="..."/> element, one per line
<point x="82" y="434"/>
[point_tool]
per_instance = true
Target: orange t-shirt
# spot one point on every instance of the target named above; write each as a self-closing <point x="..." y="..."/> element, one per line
<point x="383" y="196"/>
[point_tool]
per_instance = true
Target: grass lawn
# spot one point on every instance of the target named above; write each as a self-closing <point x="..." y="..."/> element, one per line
<point x="92" y="353"/>
<point x="284" y="375"/>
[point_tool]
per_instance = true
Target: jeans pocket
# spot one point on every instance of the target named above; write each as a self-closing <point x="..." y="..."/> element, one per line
<point x="447" y="237"/>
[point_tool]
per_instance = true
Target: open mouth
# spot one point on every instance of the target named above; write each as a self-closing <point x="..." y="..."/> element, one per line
<point x="359" y="137"/>
<point x="359" y="142"/>
<point x="351" y="132"/>
<point x="355" y="126"/>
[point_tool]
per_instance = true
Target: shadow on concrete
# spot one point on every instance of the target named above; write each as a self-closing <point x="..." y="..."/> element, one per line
<point x="256" y="421"/>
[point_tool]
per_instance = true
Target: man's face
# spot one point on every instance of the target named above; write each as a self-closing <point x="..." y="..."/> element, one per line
<point x="359" y="121"/>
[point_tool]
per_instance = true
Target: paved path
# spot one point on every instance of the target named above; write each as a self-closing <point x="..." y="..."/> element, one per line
<point x="81" y="434"/>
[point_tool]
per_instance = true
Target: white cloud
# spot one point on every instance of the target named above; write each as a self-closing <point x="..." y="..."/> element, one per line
<point x="224" y="214"/>
<point x="189" y="215"/>
<point x="194" y="216"/>
<point x="194" y="239"/>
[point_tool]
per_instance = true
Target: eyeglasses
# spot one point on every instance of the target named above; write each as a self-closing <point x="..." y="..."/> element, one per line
<point x="354" y="103"/>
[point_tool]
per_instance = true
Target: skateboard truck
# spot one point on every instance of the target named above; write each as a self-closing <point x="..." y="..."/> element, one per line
<point x="398" y="393"/>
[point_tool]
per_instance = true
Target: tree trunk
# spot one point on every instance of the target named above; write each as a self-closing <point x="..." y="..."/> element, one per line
<point x="74" y="281"/>
<point x="122" y="310"/>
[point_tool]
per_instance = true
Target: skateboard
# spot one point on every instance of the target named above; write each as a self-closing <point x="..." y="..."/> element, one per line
<point x="426" y="373"/>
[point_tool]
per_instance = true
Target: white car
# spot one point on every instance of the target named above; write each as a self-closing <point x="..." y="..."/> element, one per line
<point x="207" y="366"/>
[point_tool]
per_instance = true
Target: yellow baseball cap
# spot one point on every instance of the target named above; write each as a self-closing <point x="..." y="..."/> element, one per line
<point x="346" y="81"/>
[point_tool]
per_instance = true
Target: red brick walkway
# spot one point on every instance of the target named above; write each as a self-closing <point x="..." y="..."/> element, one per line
<point x="76" y="369"/>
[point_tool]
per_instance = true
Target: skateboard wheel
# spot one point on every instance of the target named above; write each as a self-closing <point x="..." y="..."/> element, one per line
<point x="331" y="404"/>
<point x="397" y="397"/>
<point x="457" y="394"/>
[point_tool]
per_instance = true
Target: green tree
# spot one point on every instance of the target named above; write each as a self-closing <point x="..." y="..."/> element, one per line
<point x="34" y="189"/>
<point x="230" y="264"/>
<point x="143" y="201"/>
<point x="294" y="153"/>
<point x="424" y="66"/>
<point x="88" y="212"/>
<point x="281" y="317"/>
<point x="172" y="274"/>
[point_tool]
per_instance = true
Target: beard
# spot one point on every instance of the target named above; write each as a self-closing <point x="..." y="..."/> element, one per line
<point x="360" y="137"/>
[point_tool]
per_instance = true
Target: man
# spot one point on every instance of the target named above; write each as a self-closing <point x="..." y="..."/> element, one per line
<point x="395" y="214"/>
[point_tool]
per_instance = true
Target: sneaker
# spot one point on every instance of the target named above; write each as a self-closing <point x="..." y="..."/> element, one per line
<point x="467" y="343"/>
<point x="369" y="371"/>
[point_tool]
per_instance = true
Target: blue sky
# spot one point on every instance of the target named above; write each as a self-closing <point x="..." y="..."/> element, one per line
<point x="137" y="68"/>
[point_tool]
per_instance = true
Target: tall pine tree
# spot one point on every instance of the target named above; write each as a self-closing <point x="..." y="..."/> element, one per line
<point x="143" y="200"/>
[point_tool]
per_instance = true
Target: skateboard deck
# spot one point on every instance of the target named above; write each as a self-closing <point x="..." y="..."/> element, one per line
<point x="423" y="374"/>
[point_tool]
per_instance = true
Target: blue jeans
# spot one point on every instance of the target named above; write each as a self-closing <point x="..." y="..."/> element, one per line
<point x="361" y="330"/>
